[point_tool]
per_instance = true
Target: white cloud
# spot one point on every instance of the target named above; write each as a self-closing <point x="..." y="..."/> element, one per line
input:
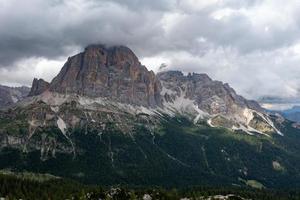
<point x="197" y="5"/>
<point x="153" y="63"/>
<point x="26" y="70"/>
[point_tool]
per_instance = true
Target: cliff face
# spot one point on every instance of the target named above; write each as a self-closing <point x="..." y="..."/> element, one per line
<point x="203" y="97"/>
<point x="211" y="96"/>
<point x="38" y="87"/>
<point x="109" y="72"/>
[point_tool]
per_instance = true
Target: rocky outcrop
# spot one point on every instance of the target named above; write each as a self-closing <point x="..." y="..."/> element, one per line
<point x="38" y="87"/>
<point x="109" y="72"/>
<point x="199" y="96"/>
<point x="213" y="97"/>
<point x="11" y="95"/>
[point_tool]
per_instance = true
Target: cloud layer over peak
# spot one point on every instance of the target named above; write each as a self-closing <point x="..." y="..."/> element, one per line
<point x="253" y="45"/>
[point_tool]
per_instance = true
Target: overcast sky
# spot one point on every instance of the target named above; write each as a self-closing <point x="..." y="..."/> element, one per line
<point x="254" y="45"/>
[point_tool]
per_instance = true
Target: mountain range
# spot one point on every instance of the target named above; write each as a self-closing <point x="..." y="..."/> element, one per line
<point x="287" y="107"/>
<point x="106" y="119"/>
<point x="11" y="95"/>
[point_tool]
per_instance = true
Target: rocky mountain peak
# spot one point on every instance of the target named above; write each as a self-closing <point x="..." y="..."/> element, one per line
<point x="38" y="87"/>
<point x="112" y="55"/>
<point x="179" y="76"/>
<point x="108" y="72"/>
<point x="199" y="77"/>
<point x="199" y="96"/>
<point x="213" y="97"/>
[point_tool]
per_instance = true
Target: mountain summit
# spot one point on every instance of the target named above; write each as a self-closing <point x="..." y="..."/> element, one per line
<point x="114" y="73"/>
<point x="213" y="100"/>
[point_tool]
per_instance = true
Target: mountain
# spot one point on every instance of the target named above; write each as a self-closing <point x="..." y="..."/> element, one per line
<point x="287" y="107"/>
<point x="11" y="95"/>
<point x="114" y="73"/>
<point x="38" y="87"/>
<point x="213" y="100"/>
<point x="274" y="103"/>
<point x="106" y="119"/>
<point x="292" y="114"/>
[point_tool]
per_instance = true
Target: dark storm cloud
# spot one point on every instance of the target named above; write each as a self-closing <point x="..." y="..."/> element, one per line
<point x="220" y="37"/>
<point x="46" y="29"/>
<point x="162" y="5"/>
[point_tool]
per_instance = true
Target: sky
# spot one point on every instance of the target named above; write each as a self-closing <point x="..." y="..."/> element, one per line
<point x="254" y="45"/>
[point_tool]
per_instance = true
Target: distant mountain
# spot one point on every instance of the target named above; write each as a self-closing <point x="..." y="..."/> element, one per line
<point x="287" y="107"/>
<point x="11" y="95"/>
<point x="292" y="114"/>
<point x="278" y="103"/>
<point x="106" y="119"/>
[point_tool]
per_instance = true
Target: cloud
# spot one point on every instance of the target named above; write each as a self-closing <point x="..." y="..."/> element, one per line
<point x="272" y="73"/>
<point x="38" y="28"/>
<point x="246" y="43"/>
<point x="24" y="71"/>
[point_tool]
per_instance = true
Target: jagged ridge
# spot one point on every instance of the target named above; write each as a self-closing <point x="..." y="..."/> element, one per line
<point x="115" y="74"/>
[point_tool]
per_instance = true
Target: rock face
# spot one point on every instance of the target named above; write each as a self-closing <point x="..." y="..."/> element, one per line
<point x="11" y="95"/>
<point x="200" y="95"/>
<point x="213" y="97"/>
<point x="110" y="72"/>
<point x="38" y="87"/>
